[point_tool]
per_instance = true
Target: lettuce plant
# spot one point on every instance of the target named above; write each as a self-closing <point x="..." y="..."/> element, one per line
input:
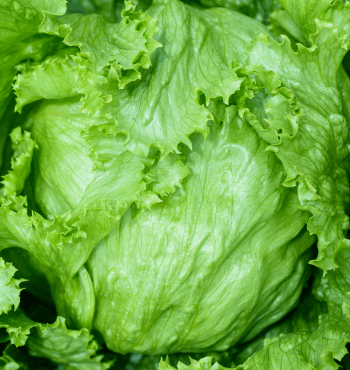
<point x="175" y="180"/>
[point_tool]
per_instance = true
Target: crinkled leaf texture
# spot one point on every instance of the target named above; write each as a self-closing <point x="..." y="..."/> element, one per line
<point x="203" y="73"/>
<point x="314" y="83"/>
<point x="195" y="248"/>
<point x="9" y="287"/>
<point x="162" y="248"/>
<point x="23" y="147"/>
<point x="65" y="237"/>
<point x="19" y="41"/>
<point x="19" y="37"/>
<point x="74" y="348"/>
<point x="101" y="196"/>
<point x="180" y="271"/>
<point x="304" y="351"/>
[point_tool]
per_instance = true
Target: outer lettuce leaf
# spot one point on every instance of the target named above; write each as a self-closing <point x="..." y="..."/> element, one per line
<point x="54" y="79"/>
<point x="308" y="137"/>
<point x="317" y="350"/>
<point x="20" y="21"/>
<point x="17" y="326"/>
<point x="304" y="318"/>
<point x="323" y="185"/>
<point x="9" y="287"/>
<point x="281" y="23"/>
<point x="344" y="87"/>
<point x="110" y="9"/>
<point x="60" y="184"/>
<point x="205" y="75"/>
<point x="308" y="348"/>
<point x="193" y="245"/>
<point x="309" y="16"/>
<point x="23" y="147"/>
<point x="67" y="238"/>
<point x="64" y="77"/>
<point x="316" y="90"/>
<point x="70" y="235"/>
<point x="258" y="9"/>
<point x="126" y="45"/>
<point x="12" y="54"/>
<point x="137" y="361"/>
<point x="335" y="286"/>
<point x="72" y="348"/>
<point x="190" y="62"/>
<point x="75" y="349"/>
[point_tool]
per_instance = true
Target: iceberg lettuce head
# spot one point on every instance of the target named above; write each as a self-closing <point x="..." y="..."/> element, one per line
<point x="175" y="180"/>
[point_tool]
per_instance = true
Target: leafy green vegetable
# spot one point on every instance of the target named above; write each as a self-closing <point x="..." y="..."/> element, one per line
<point x="175" y="180"/>
<point x="204" y="364"/>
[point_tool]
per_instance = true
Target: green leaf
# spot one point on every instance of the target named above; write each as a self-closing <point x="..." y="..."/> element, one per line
<point x="74" y="349"/>
<point x="60" y="184"/>
<point x="321" y="172"/>
<point x="203" y="364"/>
<point x="257" y="9"/>
<point x="107" y="8"/>
<point x="305" y="351"/>
<point x="54" y="79"/>
<point x="20" y="21"/>
<point x="281" y="23"/>
<point x="310" y="15"/>
<point x="208" y="76"/>
<point x="18" y="327"/>
<point x="23" y="147"/>
<point x="304" y="318"/>
<point x="112" y="135"/>
<point x="9" y="288"/>
<point x="335" y="286"/>
<point x="70" y="237"/>
<point x="344" y="87"/>
<point x="202" y="72"/>
<point x="126" y="45"/>
<point x="168" y="174"/>
<point x="184" y="249"/>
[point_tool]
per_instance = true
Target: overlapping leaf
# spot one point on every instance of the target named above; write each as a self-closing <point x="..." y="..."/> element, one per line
<point x="20" y="21"/>
<point x="318" y="165"/>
